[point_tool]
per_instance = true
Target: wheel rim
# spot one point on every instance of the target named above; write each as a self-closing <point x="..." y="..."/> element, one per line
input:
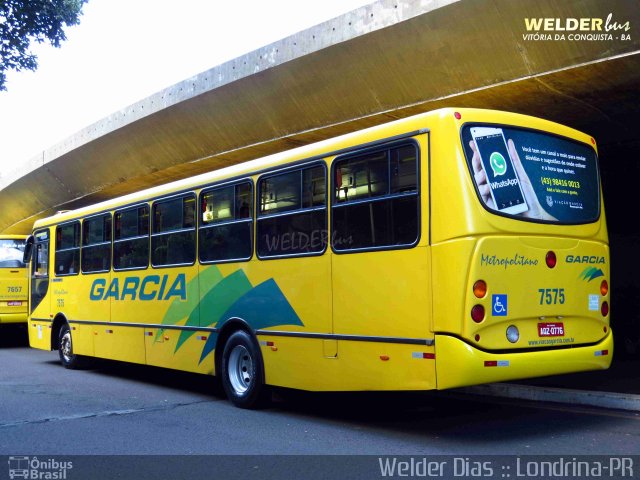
<point x="240" y="369"/>
<point x="65" y="346"/>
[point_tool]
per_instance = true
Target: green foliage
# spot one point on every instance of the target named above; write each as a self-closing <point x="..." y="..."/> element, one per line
<point x="26" y="21"/>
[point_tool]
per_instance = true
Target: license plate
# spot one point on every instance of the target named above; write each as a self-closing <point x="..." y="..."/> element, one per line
<point x="551" y="329"/>
<point x="14" y="304"/>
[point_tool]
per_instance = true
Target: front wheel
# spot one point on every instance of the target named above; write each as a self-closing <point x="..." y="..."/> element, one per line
<point x="65" y="350"/>
<point x="243" y="372"/>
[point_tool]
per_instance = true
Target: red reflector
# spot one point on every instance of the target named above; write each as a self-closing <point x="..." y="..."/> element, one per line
<point x="428" y="356"/>
<point x="384" y="358"/>
<point x="457" y="115"/>
<point x="496" y="363"/>
<point x="477" y="313"/>
<point x="149" y="334"/>
<point x="202" y="337"/>
<point x="551" y="259"/>
<point x="270" y="344"/>
<point x="604" y="309"/>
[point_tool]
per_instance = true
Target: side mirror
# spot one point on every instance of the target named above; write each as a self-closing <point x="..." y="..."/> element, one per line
<point x="28" y="250"/>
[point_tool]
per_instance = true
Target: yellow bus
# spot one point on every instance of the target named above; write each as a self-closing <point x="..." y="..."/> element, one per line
<point x="13" y="280"/>
<point x="451" y="248"/>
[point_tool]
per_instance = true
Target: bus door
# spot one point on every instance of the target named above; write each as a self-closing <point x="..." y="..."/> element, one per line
<point x="39" y="301"/>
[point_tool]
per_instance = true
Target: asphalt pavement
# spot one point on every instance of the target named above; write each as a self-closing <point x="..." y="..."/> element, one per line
<point x="616" y="388"/>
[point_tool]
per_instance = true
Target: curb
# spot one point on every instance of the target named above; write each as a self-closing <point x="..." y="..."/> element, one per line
<point x="617" y="401"/>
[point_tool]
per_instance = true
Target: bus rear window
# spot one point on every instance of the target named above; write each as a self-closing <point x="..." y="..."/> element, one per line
<point x="532" y="175"/>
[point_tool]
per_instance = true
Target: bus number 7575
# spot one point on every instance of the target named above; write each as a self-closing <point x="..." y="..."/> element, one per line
<point x="551" y="296"/>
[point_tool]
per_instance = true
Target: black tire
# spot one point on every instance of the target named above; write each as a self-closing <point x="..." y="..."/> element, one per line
<point x="243" y="372"/>
<point x="65" y="350"/>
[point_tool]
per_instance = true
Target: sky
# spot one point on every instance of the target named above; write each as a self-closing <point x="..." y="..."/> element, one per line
<point x="125" y="50"/>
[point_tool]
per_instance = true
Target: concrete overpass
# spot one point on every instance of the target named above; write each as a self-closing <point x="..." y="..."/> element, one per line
<point x="379" y="62"/>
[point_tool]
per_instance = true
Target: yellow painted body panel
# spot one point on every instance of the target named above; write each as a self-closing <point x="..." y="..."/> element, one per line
<point x="83" y="339"/>
<point x="374" y="294"/>
<point x="297" y="363"/>
<point x="396" y="319"/>
<point x="160" y="348"/>
<point x="40" y="335"/>
<point x="304" y="281"/>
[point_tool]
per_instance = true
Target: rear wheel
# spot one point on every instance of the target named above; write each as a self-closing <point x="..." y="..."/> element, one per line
<point x="243" y="372"/>
<point x="65" y="350"/>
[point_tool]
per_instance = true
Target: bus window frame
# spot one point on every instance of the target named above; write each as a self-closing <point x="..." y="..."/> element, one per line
<point x="251" y="219"/>
<point x="110" y="242"/>
<point x="418" y="193"/>
<point x="35" y="256"/>
<point x="304" y="165"/>
<point x="56" y="250"/>
<point x="538" y="131"/>
<point x="135" y="206"/>
<point x="169" y="198"/>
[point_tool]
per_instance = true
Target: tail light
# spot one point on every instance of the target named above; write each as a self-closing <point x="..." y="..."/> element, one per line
<point x="480" y="289"/>
<point x="477" y="313"/>
<point x="604" y="288"/>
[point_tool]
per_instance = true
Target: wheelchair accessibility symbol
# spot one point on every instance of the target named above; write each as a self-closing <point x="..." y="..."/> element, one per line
<point x="499" y="305"/>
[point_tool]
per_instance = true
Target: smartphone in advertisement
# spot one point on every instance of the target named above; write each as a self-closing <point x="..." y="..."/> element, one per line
<point x="502" y="178"/>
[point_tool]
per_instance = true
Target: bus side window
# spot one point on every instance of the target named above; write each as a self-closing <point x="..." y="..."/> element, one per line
<point x="173" y="238"/>
<point x="226" y="223"/>
<point x="376" y="200"/>
<point x="96" y="244"/>
<point x="41" y="263"/>
<point x="67" y="258"/>
<point x="131" y="238"/>
<point x="292" y="216"/>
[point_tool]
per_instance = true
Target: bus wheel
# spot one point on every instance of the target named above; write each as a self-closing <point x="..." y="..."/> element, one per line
<point x="65" y="350"/>
<point x="243" y="372"/>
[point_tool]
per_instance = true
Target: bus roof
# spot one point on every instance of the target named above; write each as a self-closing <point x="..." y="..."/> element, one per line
<point x="325" y="148"/>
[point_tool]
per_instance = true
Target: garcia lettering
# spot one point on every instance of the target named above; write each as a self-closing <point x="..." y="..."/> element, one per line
<point x="152" y="287"/>
<point x="585" y="259"/>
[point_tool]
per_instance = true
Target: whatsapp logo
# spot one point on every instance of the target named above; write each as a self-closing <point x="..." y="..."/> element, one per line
<point x="498" y="164"/>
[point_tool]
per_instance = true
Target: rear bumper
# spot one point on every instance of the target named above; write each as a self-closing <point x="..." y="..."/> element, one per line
<point x="458" y="364"/>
